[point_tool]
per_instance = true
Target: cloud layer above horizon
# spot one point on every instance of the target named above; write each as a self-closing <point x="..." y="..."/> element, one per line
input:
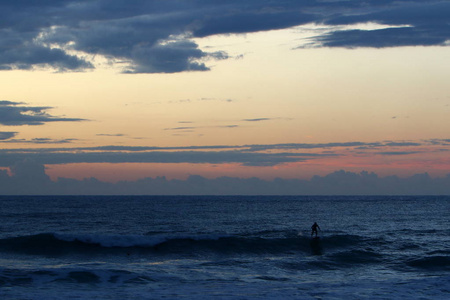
<point x="29" y="178"/>
<point x="245" y="155"/>
<point x="159" y="36"/>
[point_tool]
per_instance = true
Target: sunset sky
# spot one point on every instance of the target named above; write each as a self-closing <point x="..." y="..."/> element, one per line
<point x="128" y="89"/>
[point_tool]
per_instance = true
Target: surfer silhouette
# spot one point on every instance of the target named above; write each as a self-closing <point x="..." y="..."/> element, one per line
<point x="314" y="228"/>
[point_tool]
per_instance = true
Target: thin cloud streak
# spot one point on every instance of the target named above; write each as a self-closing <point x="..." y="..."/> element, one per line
<point x="257" y="120"/>
<point x="111" y="134"/>
<point x="398" y="152"/>
<point x="218" y="157"/>
<point x="40" y="141"/>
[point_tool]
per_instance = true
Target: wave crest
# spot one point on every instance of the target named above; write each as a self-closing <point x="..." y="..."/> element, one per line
<point x="57" y="243"/>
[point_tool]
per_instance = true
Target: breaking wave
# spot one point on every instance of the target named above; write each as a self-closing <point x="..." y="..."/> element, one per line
<point x="335" y="251"/>
<point x="56" y="243"/>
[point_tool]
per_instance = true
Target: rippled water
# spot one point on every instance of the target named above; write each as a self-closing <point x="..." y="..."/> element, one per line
<point x="224" y="247"/>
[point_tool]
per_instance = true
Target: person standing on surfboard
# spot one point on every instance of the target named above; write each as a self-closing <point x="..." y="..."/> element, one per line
<point x="314" y="228"/>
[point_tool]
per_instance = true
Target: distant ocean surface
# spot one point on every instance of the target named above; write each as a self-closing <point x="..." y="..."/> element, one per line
<point x="212" y="247"/>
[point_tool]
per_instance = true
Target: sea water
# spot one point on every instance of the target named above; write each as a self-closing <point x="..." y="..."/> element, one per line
<point x="224" y="247"/>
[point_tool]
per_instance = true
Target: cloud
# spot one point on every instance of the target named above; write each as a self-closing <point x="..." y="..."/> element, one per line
<point x="390" y="37"/>
<point x="29" y="177"/>
<point x="171" y="57"/>
<point x="297" y="146"/>
<point x="211" y="157"/>
<point x="402" y="144"/>
<point x="111" y="134"/>
<point x="157" y="36"/>
<point x="253" y="16"/>
<point x="122" y="135"/>
<point x="398" y="152"/>
<point x="254" y="120"/>
<point x="15" y="114"/>
<point x="6" y="135"/>
<point x="216" y="99"/>
<point x="247" y="155"/>
<point x="181" y="128"/>
<point x="257" y="119"/>
<point x="29" y="170"/>
<point x="192" y="128"/>
<point x="201" y="99"/>
<point x="444" y="142"/>
<point x="427" y="25"/>
<point x="40" y="141"/>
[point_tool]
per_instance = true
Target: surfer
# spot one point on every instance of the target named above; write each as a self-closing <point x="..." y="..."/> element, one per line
<point x="314" y="228"/>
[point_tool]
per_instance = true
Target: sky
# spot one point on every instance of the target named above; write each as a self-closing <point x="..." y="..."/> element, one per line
<point x="115" y="90"/>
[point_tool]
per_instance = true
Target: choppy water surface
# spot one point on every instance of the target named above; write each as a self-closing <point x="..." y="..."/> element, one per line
<point x="224" y="247"/>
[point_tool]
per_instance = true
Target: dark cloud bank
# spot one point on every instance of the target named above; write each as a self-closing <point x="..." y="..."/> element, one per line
<point x="154" y="36"/>
<point x="29" y="178"/>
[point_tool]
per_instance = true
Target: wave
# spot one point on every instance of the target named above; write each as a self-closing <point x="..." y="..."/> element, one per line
<point x="74" y="275"/>
<point x="356" y="257"/>
<point x="431" y="263"/>
<point x="60" y="244"/>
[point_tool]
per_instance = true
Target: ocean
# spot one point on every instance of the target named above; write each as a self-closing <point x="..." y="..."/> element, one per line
<point x="216" y="247"/>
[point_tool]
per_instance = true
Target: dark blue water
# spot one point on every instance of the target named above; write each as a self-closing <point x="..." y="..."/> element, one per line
<point x="224" y="247"/>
